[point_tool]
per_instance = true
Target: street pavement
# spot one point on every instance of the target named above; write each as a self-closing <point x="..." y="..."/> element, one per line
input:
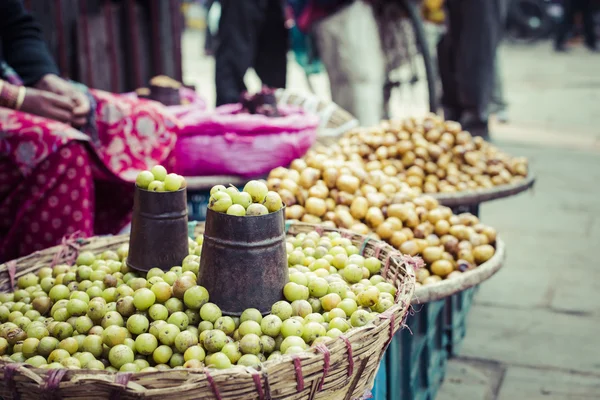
<point x="534" y="329"/>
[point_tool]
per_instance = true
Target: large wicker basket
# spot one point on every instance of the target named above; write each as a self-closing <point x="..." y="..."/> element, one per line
<point x="343" y="369"/>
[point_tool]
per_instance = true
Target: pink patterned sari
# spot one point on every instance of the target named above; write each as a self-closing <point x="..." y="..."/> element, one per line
<point x="56" y="180"/>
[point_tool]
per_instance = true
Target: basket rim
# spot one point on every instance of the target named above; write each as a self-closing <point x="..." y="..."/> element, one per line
<point x="448" y="287"/>
<point x="480" y="196"/>
<point x="394" y="316"/>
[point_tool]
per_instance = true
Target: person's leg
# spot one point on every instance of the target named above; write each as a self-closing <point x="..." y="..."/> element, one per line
<point x="350" y="48"/>
<point x="565" y="25"/>
<point x="272" y="47"/>
<point x="208" y="37"/>
<point x="56" y="200"/>
<point x="476" y="46"/>
<point x="587" y="9"/>
<point x="446" y="57"/>
<point x="236" y="48"/>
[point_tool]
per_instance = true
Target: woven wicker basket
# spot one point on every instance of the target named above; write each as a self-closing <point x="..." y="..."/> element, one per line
<point x="335" y="121"/>
<point x="343" y="369"/>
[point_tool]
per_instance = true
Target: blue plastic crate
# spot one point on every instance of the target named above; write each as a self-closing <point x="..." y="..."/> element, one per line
<point x="197" y="204"/>
<point x="415" y="362"/>
<point x="458" y="308"/>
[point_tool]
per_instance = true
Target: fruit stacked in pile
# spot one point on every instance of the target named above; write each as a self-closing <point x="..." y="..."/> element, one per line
<point x="158" y="180"/>
<point x="431" y="156"/>
<point x="97" y="314"/>
<point x="254" y="200"/>
<point x="377" y="203"/>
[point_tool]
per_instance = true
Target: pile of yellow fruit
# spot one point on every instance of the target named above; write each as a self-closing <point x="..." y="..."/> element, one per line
<point x="431" y="155"/>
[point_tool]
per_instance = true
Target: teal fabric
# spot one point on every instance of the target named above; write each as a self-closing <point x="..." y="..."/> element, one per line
<point x="305" y="52"/>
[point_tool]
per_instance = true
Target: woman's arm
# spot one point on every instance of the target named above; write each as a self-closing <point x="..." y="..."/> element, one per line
<point x="23" y="46"/>
<point x="34" y="101"/>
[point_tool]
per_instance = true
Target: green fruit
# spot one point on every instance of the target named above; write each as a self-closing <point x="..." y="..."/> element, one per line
<point x="220" y="202"/>
<point x="257" y="190"/>
<point x="273" y="202"/>
<point x="143" y="179"/>
<point x="214" y="340"/>
<point x="255" y="210"/>
<point x="156" y="186"/>
<point x="173" y="182"/>
<point x="236" y="210"/>
<point x="242" y="198"/>
<point x="250" y="344"/>
<point x="159" y="172"/>
<point x="249" y="360"/>
<point x="120" y="355"/>
<point x="210" y="312"/>
<point x="217" y="188"/>
<point x="271" y="325"/>
<point x="248" y="327"/>
<point x="282" y="309"/>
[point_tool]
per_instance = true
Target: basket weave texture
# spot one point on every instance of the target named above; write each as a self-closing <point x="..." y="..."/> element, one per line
<point x="344" y="368"/>
<point x="335" y="121"/>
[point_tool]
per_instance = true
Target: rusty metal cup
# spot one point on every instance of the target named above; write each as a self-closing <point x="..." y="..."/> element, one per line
<point x="244" y="261"/>
<point x="159" y="230"/>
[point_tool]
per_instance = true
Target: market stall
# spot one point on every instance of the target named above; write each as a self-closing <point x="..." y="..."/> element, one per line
<point x="102" y="312"/>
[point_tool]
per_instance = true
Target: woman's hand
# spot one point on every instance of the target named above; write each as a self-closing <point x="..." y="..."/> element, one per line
<point x="49" y="105"/>
<point x="57" y="85"/>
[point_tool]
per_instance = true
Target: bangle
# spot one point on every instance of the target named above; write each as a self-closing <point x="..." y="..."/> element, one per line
<point x="20" y="97"/>
<point x="8" y="97"/>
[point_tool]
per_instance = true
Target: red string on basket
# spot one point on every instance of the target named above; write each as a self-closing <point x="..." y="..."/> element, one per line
<point x="319" y="229"/>
<point x="392" y="318"/>
<point x="9" y="379"/>
<point x="72" y="242"/>
<point x="12" y="270"/>
<point x="53" y="379"/>
<point x="213" y="385"/>
<point x="122" y="378"/>
<point x="346" y="234"/>
<point x="378" y="248"/>
<point x="386" y="265"/>
<point x="416" y="262"/>
<point x="350" y="358"/>
<point x="298" y="370"/>
<point x="326" y="356"/>
<point x="258" y="384"/>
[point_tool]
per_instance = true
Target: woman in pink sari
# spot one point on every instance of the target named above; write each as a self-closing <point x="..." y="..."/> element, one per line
<point x="68" y="155"/>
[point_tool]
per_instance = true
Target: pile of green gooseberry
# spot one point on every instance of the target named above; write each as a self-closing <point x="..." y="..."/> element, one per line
<point x="100" y="315"/>
<point x="158" y="180"/>
<point x="254" y="200"/>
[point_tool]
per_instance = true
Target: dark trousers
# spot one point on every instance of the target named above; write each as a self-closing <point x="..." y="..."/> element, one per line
<point x="252" y="33"/>
<point x="570" y="8"/>
<point x="466" y="56"/>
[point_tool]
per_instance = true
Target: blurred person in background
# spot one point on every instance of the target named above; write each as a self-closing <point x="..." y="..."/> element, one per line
<point x="467" y="57"/>
<point x="252" y="34"/>
<point x="68" y="155"/>
<point x="499" y="104"/>
<point x="571" y="7"/>
<point x="347" y="37"/>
